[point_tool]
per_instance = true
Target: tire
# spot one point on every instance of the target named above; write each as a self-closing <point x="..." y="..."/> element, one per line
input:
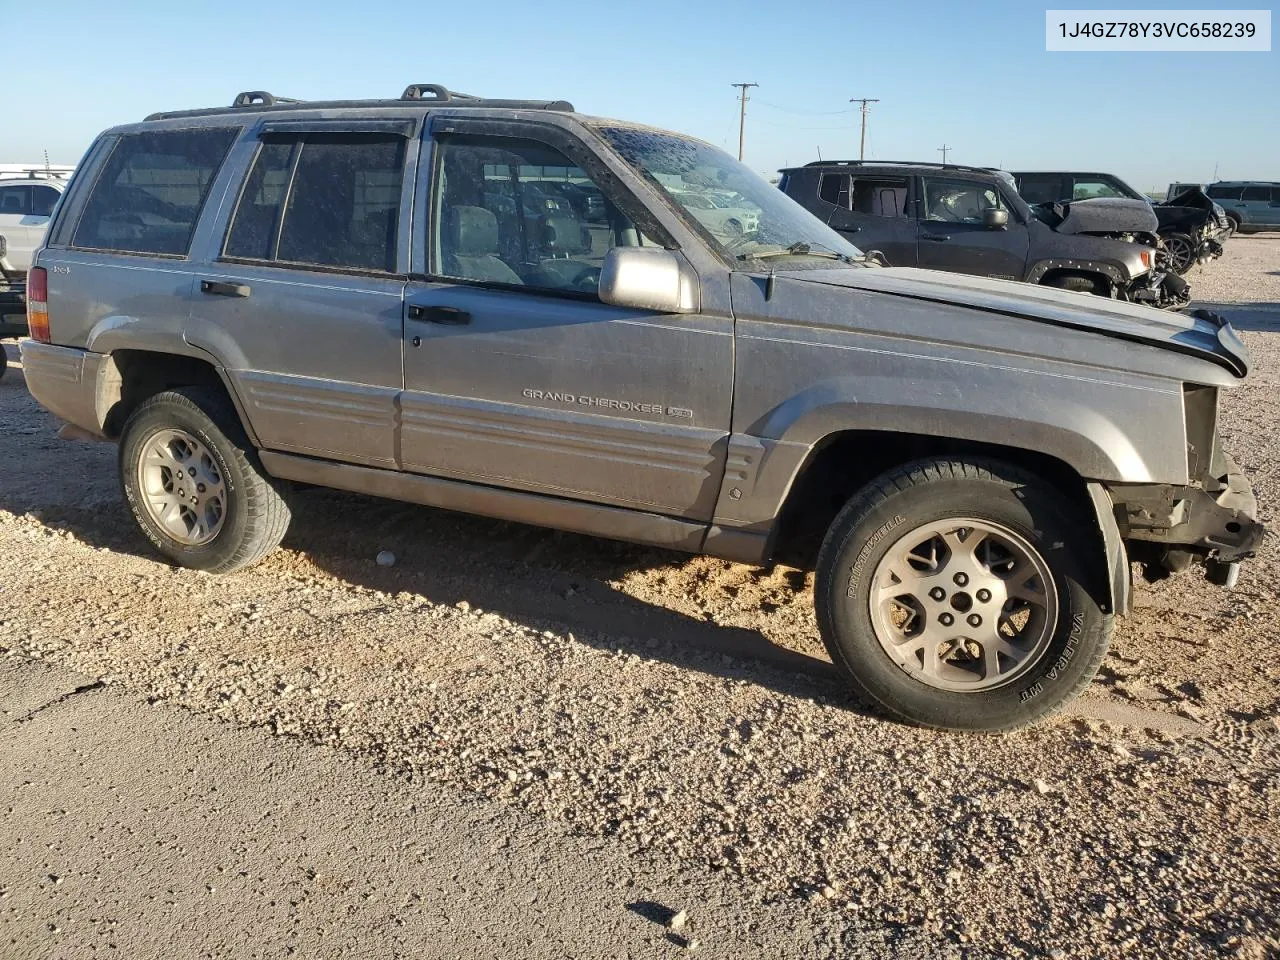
<point x="241" y="516"/>
<point x="1181" y="251"/>
<point x="4" y="360"/>
<point x="1063" y="640"/>
<point x="1234" y="227"/>
<point x="1076" y="283"/>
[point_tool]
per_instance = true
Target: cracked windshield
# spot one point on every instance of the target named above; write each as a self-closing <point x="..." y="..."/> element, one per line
<point x="746" y="217"/>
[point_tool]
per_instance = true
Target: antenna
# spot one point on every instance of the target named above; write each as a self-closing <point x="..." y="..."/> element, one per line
<point x="819" y="151"/>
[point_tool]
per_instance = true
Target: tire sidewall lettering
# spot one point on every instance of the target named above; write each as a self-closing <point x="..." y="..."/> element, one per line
<point x="860" y="561"/>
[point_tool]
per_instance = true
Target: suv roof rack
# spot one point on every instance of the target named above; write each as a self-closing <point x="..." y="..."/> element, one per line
<point x="258" y="100"/>
<point x="900" y="163"/>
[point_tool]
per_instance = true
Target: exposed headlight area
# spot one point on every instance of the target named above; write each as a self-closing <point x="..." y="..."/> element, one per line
<point x="1200" y="414"/>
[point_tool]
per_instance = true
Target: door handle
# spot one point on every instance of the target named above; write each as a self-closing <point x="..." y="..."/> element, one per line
<point x="450" y="315"/>
<point x="221" y="289"/>
<point x="935" y="237"/>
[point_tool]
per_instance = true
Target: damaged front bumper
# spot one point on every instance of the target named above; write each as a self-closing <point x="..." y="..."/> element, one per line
<point x="1166" y="526"/>
<point x="1159" y="288"/>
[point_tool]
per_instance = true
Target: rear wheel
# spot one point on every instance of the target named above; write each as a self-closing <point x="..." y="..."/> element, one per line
<point x="195" y="485"/>
<point x="956" y="594"/>
<point x="1078" y="283"/>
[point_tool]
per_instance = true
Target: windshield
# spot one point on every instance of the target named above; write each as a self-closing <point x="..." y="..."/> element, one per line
<point x="738" y="211"/>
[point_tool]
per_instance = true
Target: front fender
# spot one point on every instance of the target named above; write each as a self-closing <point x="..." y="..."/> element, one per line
<point x="1094" y="444"/>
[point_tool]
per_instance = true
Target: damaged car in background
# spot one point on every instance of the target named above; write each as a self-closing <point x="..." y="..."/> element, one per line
<point x="973" y="220"/>
<point x="1192" y="228"/>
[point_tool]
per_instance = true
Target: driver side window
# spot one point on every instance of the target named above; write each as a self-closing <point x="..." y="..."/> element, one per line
<point x="519" y="213"/>
<point x="959" y="201"/>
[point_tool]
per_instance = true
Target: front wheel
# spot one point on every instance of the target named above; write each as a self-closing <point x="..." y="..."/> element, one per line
<point x="1078" y="283"/>
<point x="1181" y="250"/>
<point x="194" y="483"/>
<point x="956" y="594"/>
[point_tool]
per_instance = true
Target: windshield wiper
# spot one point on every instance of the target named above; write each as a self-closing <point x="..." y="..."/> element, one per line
<point x="798" y="249"/>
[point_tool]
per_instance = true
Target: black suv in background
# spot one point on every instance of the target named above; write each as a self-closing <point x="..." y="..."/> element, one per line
<point x="972" y="220"/>
<point x="1193" y="228"/>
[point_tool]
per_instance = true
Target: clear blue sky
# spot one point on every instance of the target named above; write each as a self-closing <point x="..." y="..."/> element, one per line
<point x="972" y="75"/>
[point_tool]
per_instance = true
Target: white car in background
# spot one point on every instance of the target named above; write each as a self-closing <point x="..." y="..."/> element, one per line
<point x="28" y="193"/>
<point x="27" y="198"/>
<point x="723" y="220"/>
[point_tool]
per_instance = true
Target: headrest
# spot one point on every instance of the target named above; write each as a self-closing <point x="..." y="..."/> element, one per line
<point x="565" y="235"/>
<point x="474" y="231"/>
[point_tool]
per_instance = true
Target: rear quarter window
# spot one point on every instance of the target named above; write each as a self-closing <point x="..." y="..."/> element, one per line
<point x="151" y="190"/>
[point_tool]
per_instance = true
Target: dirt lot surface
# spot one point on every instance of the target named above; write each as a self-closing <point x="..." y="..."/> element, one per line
<point x="682" y="708"/>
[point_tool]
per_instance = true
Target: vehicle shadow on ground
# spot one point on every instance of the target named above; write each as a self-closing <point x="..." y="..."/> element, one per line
<point x="546" y="579"/>
<point x="1263" y="317"/>
<point x="540" y="578"/>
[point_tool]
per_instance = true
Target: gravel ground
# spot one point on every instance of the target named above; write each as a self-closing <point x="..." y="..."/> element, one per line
<point x="683" y="707"/>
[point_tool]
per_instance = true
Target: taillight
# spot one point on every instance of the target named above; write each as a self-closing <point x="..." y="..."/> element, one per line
<point x="38" y="304"/>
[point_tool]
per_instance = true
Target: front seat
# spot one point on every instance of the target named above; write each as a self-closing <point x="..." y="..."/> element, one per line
<point x="564" y="238"/>
<point x="472" y="249"/>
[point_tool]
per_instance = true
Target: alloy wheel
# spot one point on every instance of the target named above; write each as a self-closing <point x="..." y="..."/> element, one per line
<point x="183" y="490"/>
<point x="963" y="605"/>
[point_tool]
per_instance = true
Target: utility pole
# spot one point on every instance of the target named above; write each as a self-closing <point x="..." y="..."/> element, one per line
<point x="943" y="150"/>
<point x="742" y="112"/>
<point x="862" y="144"/>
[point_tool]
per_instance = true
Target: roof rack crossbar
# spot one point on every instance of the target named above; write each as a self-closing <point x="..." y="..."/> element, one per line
<point x="259" y="98"/>
<point x="897" y="163"/>
<point x="426" y="94"/>
<point x="419" y="91"/>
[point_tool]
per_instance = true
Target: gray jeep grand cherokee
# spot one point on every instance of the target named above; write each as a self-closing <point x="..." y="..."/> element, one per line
<point x="506" y="308"/>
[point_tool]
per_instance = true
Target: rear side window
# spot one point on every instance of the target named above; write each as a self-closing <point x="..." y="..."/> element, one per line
<point x="834" y="188"/>
<point x="151" y="190"/>
<point x="42" y="200"/>
<point x="1224" y="193"/>
<point x="1257" y="193"/>
<point x="331" y="201"/>
<point x="15" y="200"/>
<point x="880" y="196"/>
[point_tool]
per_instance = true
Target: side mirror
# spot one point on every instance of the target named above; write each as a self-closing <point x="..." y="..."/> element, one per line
<point x="647" y="278"/>
<point x="995" y="219"/>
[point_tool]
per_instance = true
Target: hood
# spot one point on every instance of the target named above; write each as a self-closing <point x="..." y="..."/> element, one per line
<point x="1190" y="208"/>
<point x="1199" y="334"/>
<point x="1105" y="215"/>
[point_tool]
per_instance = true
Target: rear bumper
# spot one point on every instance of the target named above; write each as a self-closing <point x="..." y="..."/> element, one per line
<point x="1218" y="526"/>
<point x="65" y="381"/>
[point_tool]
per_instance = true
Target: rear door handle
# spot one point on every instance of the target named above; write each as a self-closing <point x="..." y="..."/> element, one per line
<point x="935" y="237"/>
<point x="451" y="315"/>
<point x="221" y="289"/>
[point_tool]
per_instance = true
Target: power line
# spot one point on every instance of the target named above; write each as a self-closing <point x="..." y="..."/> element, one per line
<point x="742" y="112"/>
<point x="943" y="150"/>
<point x="862" y="145"/>
<point x="811" y="113"/>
